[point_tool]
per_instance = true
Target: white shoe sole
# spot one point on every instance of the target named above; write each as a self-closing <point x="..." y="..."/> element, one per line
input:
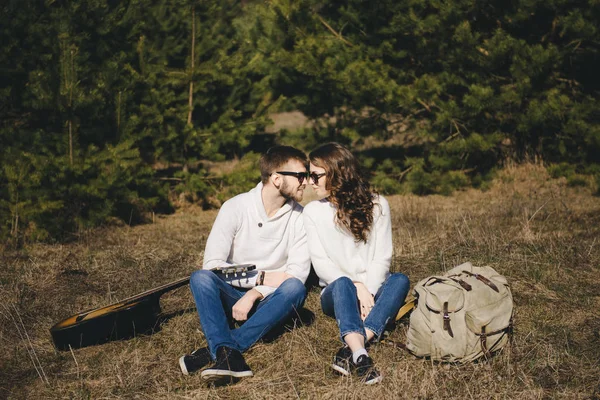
<point x="339" y="369"/>
<point x="374" y="381"/>
<point x="216" y="374"/>
<point x="182" y="366"/>
<point x="342" y="371"/>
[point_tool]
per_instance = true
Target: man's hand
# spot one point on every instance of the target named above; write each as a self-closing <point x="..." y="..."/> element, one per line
<point x="274" y="279"/>
<point x="365" y="299"/>
<point x="243" y="306"/>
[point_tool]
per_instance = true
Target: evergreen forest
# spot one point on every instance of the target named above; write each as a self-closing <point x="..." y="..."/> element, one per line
<point x="115" y="110"/>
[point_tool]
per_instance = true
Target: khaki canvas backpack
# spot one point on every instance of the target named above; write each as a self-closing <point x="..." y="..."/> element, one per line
<point x="461" y="316"/>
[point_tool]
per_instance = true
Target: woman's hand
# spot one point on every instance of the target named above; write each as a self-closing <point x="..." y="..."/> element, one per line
<point x="366" y="301"/>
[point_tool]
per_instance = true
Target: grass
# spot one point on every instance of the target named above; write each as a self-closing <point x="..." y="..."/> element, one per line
<point x="539" y="232"/>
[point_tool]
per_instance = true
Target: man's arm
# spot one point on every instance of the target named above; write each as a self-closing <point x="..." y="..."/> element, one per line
<point x="242" y="307"/>
<point x="216" y="253"/>
<point x="220" y="239"/>
<point x="297" y="265"/>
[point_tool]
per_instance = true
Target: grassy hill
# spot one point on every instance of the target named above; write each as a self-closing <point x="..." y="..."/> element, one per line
<point x="540" y="233"/>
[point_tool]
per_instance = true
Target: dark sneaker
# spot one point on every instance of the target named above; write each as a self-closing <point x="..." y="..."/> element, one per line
<point x="366" y="371"/>
<point x="191" y="363"/>
<point x="342" y="361"/>
<point x="230" y="364"/>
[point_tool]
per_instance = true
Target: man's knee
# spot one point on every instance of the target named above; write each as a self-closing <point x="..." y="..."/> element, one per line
<point x="202" y="278"/>
<point x="294" y="289"/>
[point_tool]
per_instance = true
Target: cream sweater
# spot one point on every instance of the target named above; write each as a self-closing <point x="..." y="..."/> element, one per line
<point x="334" y="252"/>
<point x="243" y="234"/>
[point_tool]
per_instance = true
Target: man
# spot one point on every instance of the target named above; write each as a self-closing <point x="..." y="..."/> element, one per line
<point x="263" y="227"/>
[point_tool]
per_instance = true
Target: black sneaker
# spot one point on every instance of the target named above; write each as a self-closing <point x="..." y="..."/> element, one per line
<point x="191" y="363"/>
<point x="366" y="371"/>
<point x="342" y="361"/>
<point x="230" y="364"/>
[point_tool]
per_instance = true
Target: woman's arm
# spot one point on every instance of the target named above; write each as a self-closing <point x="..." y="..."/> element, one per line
<point x="326" y="270"/>
<point x="379" y="267"/>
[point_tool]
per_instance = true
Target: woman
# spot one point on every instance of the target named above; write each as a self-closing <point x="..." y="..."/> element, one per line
<point x="350" y="244"/>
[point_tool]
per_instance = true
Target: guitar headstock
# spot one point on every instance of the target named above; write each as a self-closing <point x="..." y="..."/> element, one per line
<point x="234" y="270"/>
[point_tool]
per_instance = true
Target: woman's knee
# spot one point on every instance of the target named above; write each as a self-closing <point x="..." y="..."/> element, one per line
<point x="399" y="280"/>
<point x="343" y="286"/>
<point x="343" y="283"/>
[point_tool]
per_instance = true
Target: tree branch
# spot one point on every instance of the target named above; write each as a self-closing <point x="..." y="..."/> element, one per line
<point x="336" y="34"/>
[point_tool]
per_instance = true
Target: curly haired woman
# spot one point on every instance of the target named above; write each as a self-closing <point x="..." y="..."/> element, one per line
<point x="350" y="244"/>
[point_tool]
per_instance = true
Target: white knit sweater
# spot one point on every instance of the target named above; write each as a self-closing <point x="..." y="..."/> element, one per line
<point x="334" y="252"/>
<point x="244" y="234"/>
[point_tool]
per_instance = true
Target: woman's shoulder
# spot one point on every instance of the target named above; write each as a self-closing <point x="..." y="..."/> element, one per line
<point x="380" y="199"/>
<point x="317" y="206"/>
<point x="382" y="205"/>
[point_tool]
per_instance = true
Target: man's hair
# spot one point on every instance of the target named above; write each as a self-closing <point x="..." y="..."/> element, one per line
<point x="349" y="191"/>
<point x="276" y="157"/>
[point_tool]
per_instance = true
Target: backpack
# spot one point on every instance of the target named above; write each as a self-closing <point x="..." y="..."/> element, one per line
<point x="461" y="316"/>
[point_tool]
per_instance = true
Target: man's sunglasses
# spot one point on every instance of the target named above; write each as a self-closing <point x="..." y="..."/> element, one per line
<point x="301" y="176"/>
<point x="315" y="177"/>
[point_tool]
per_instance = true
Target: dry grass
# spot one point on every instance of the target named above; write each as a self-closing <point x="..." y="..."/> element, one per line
<point x="542" y="235"/>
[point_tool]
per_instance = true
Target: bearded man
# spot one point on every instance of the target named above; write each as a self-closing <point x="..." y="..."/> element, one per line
<point x="263" y="227"/>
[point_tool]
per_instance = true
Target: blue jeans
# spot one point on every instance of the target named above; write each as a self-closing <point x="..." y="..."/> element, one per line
<point x="215" y="298"/>
<point x="340" y="301"/>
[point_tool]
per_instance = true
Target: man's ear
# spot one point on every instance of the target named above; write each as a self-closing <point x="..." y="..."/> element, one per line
<point x="276" y="179"/>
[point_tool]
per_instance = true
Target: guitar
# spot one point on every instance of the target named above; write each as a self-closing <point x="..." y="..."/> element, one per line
<point x="138" y="314"/>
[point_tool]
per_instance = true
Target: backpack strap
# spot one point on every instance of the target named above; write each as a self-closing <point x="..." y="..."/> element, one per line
<point x="483" y="337"/>
<point x="463" y="284"/>
<point x="483" y="279"/>
<point x="447" y="326"/>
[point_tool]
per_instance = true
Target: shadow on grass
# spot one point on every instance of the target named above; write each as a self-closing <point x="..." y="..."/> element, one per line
<point x="303" y="317"/>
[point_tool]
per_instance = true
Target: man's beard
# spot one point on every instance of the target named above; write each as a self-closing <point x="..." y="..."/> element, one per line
<point x="289" y="194"/>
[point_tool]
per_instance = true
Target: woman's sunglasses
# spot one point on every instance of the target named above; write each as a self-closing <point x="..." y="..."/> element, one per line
<point x="315" y="177"/>
<point x="301" y="176"/>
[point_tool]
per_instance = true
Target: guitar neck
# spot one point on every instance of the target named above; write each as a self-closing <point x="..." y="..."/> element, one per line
<point x="159" y="291"/>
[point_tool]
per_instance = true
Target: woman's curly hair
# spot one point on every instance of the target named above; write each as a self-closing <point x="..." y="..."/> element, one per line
<point x="350" y="193"/>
